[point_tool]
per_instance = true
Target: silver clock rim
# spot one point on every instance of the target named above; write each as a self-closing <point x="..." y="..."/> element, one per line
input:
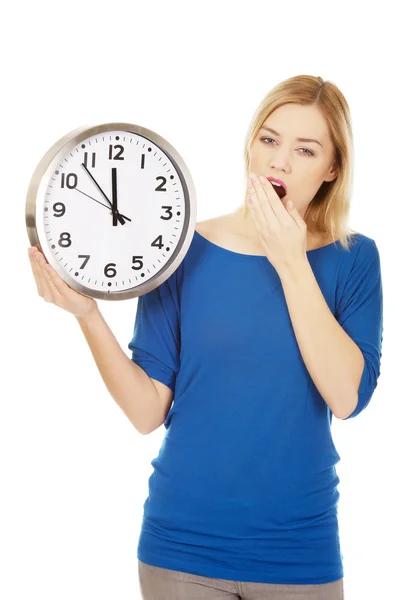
<point x="36" y="195"/>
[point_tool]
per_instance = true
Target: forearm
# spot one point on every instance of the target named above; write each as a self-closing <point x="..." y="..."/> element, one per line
<point x="333" y="360"/>
<point x="128" y="384"/>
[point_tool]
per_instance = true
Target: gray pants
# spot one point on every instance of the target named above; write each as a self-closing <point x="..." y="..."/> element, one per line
<point x="165" y="584"/>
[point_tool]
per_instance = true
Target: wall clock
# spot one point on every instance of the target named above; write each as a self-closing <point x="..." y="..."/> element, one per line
<point x="113" y="207"/>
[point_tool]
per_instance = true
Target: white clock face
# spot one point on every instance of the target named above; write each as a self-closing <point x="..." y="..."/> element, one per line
<point x="113" y="211"/>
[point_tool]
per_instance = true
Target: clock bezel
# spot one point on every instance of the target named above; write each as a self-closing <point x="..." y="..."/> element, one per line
<point x="36" y="196"/>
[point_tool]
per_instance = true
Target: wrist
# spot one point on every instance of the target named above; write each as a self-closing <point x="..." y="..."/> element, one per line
<point x="89" y="316"/>
<point x="295" y="272"/>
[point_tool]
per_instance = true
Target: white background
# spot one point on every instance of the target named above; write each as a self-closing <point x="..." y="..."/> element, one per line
<point x="74" y="471"/>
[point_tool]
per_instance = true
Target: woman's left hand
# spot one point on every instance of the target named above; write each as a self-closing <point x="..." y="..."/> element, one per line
<point x="282" y="231"/>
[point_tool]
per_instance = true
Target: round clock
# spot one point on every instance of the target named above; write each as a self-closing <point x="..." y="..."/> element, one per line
<point x="113" y="208"/>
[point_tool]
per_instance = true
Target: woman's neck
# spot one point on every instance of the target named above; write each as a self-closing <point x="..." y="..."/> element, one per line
<point x="244" y="226"/>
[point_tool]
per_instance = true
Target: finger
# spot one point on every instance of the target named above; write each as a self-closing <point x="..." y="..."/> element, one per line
<point x="48" y="286"/>
<point x="61" y="287"/>
<point x="56" y="296"/>
<point x="37" y="274"/>
<point x="258" y="216"/>
<point x="264" y="203"/>
<point x="274" y="200"/>
<point x="255" y="212"/>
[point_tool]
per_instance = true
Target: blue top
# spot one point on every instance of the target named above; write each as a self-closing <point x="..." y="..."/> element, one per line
<point x="244" y="486"/>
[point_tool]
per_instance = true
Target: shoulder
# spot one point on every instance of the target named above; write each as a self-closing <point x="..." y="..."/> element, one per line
<point x="213" y="225"/>
<point x="362" y="266"/>
<point x="364" y="247"/>
<point x="223" y="231"/>
<point x="218" y="230"/>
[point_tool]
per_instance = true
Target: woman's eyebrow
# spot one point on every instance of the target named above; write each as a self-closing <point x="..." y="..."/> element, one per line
<point x="297" y="139"/>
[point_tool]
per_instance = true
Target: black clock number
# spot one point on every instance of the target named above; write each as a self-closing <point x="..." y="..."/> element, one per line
<point x="85" y="159"/>
<point x="65" y="237"/>
<point x="136" y="259"/>
<point x="60" y="211"/>
<point x="168" y="209"/>
<point x="158" y="242"/>
<point x="160" y="188"/>
<point x="86" y="257"/>
<point x="109" y="270"/>
<point x="70" y="180"/>
<point x="117" y="156"/>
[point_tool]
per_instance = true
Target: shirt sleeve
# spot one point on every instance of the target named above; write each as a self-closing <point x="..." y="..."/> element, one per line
<point x="360" y="313"/>
<point x="155" y="344"/>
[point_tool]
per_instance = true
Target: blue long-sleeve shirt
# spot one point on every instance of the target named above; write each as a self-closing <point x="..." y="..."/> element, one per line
<point x="244" y="486"/>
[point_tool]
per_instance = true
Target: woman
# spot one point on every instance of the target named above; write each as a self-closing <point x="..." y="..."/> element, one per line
<point x="271" y="324"/>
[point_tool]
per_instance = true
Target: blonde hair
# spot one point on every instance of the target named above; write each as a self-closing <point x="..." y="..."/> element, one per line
<point x="328" y="211"/>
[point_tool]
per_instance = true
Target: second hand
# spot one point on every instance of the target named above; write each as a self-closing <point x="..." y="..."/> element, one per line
<point x="119" y="217"/>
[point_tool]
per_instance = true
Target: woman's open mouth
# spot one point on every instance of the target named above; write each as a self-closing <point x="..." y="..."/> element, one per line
<point x="280" y="190"/>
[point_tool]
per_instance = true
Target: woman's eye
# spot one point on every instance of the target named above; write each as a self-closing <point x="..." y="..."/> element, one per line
<point x="307" y="150"/>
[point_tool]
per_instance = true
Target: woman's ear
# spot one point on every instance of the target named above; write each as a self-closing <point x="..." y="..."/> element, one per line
<point x="333" y="173"/>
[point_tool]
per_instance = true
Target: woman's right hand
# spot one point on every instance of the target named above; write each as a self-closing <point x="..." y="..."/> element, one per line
<point x="53" y="288"/>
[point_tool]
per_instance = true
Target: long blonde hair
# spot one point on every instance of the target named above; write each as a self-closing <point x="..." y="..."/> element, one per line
<point x="328" y="212"/>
